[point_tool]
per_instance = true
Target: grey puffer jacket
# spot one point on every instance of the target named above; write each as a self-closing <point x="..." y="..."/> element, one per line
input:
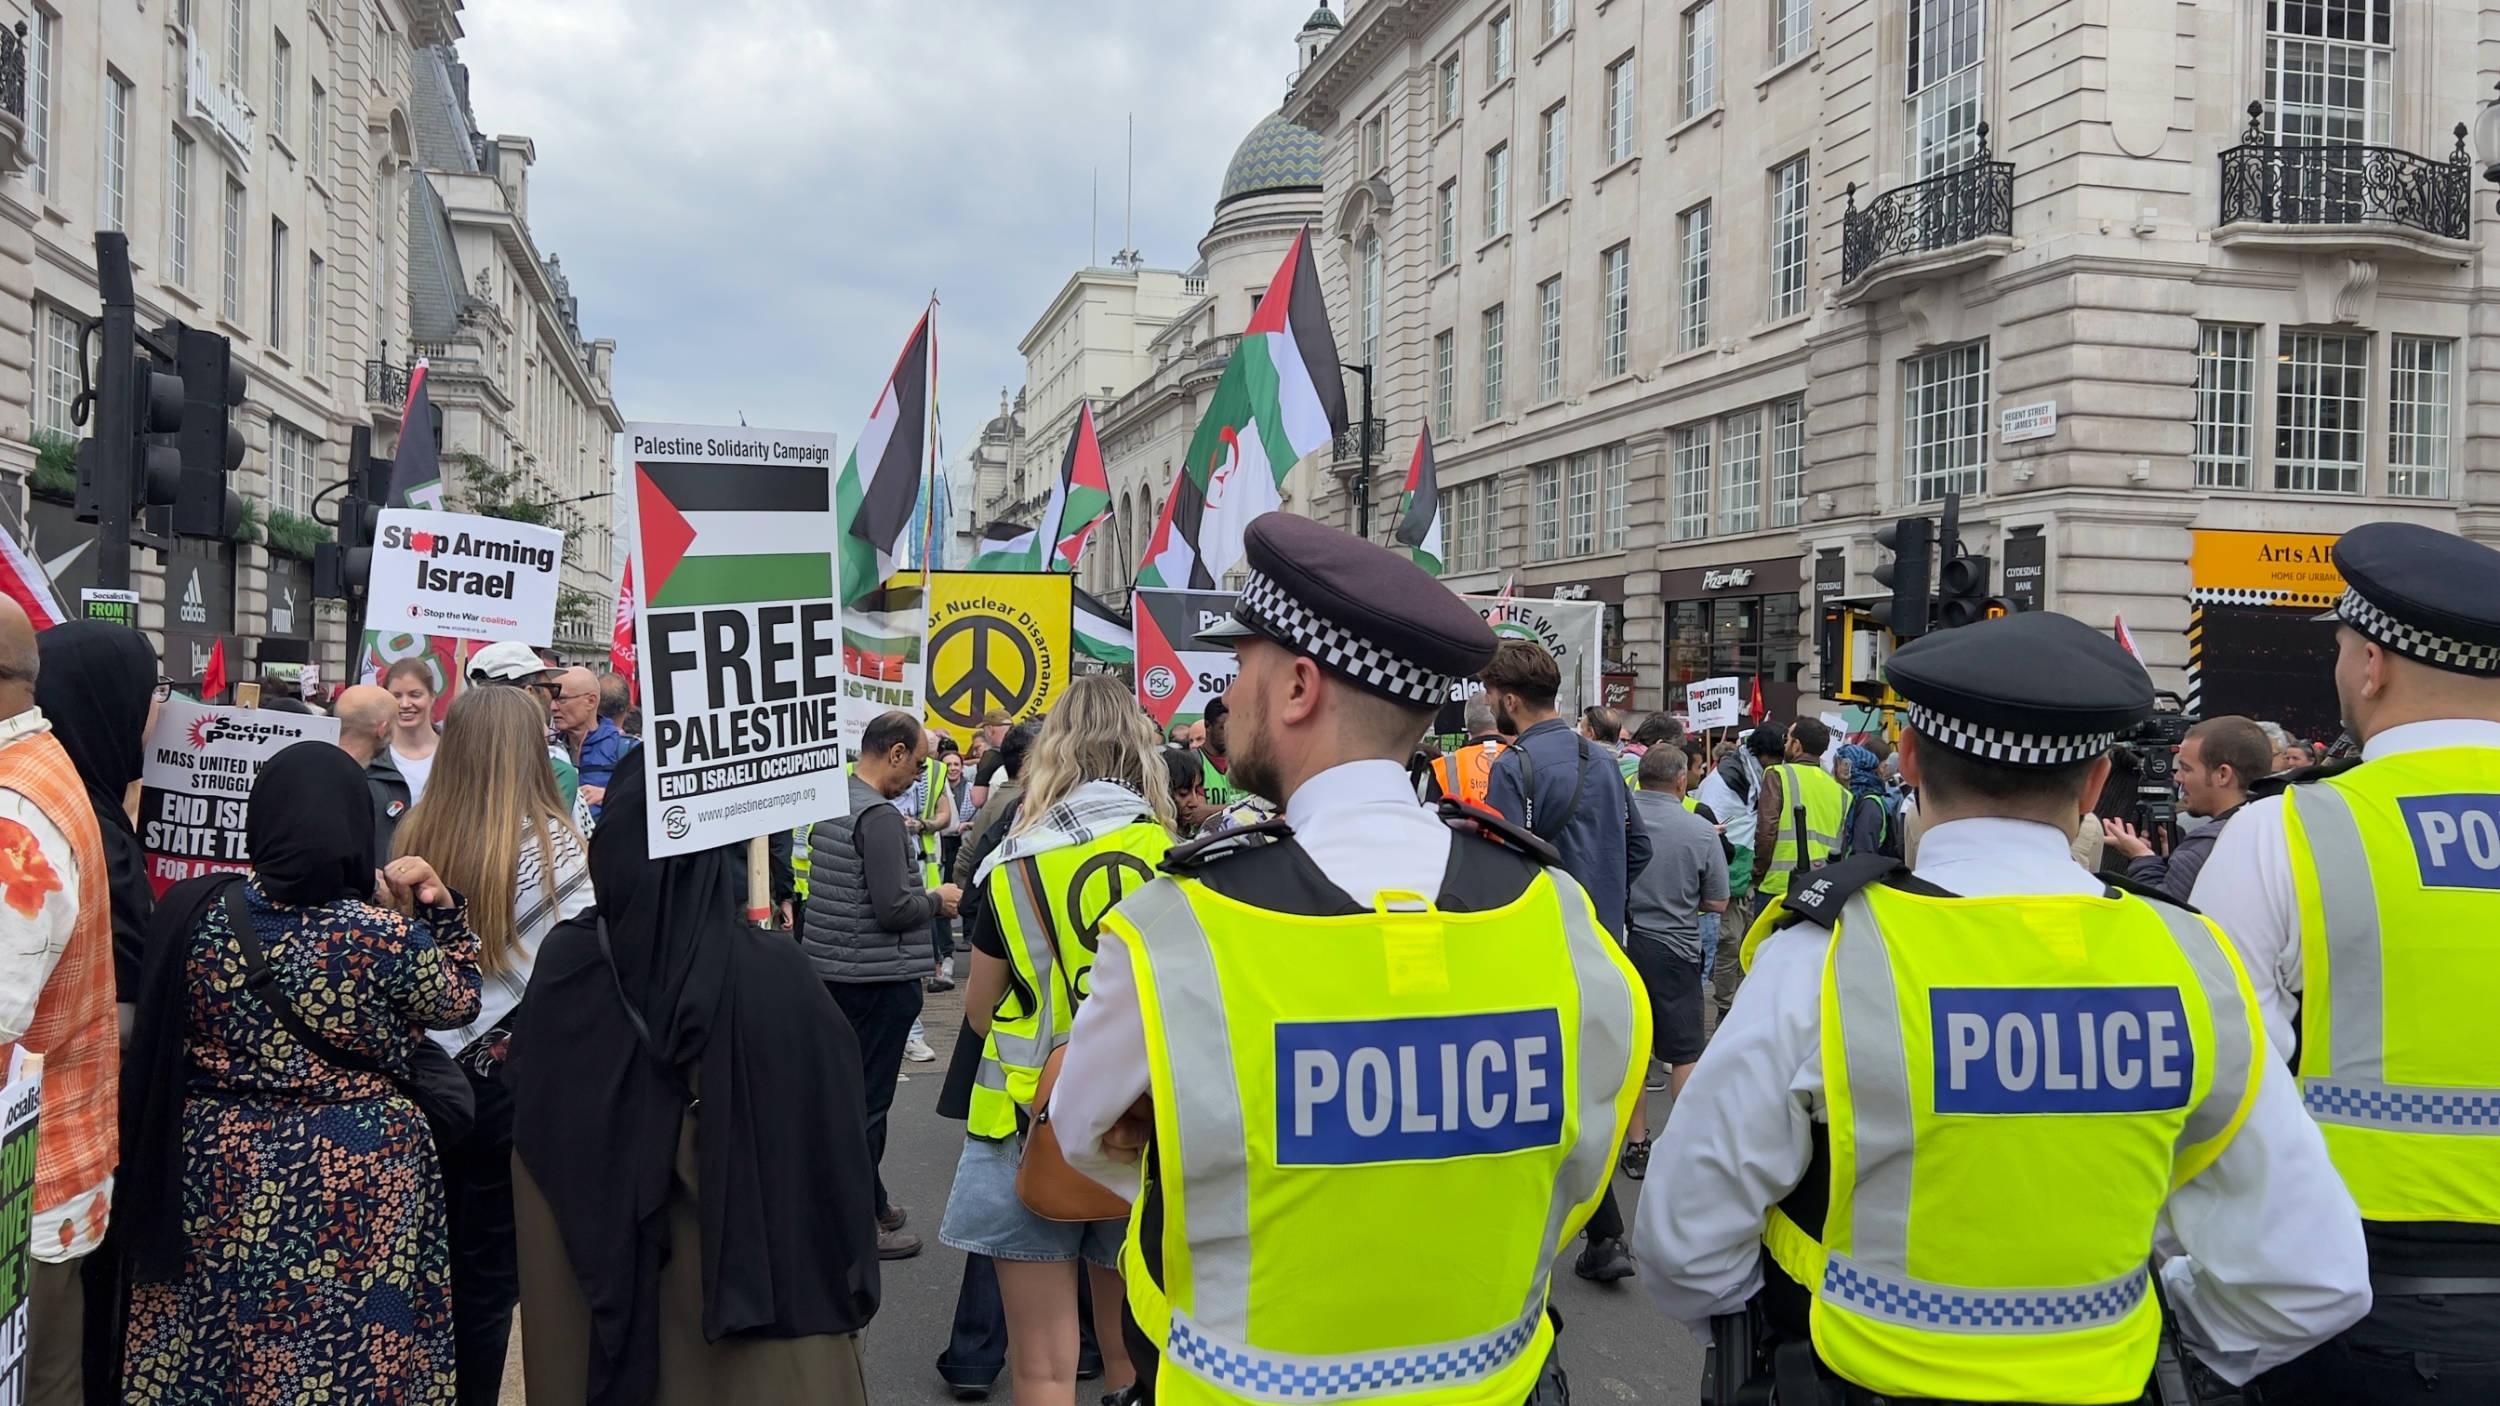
<point x="867" y="917"/>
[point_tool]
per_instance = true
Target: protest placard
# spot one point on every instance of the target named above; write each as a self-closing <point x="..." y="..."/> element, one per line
<point x="470" y="577"/>
<point x="195" y="785"/>
<point x="1570" y="630"/>
<point x="21" y="1100"/>
<point x="1712" y="703"/>
<point x="997" y="639"/>
<point x="739" y="636"/>
<point x="1177" y="676"/>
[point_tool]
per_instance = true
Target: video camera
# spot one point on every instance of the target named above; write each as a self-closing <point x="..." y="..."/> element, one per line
<point x="2152" y="753"/>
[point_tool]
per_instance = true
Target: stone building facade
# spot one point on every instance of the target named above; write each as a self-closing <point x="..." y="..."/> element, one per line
<point x="1697" y="296"/>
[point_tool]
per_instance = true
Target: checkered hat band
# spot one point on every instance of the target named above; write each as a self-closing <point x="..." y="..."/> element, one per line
<point x="2011" y="748"/>
<point x="2415" y="643"/>
<point x="1274" y="611"/>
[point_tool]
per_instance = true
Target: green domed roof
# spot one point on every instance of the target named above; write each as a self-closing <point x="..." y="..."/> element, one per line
<point x="1277" y="155"/>
<point x="1321" y="18"/>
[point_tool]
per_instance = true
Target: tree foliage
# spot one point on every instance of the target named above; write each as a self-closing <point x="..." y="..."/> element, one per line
<point x="481" y="488"/>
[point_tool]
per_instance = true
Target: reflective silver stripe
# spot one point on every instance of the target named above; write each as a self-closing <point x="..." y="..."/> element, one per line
<point x="990" y="1076"/>
<point x="1605" y="1057"/>
<point x="1879" y="1090"/>
<point x="2403" y="1108"/>
<point x="1266" y="1375"/>
<point x="2348" y="901"/>
<point x="1211" y="1163"/>
<point x="1889" y="1296"/>
<point x="1030" y="1051"/>
<point x="2235" y="1054"/>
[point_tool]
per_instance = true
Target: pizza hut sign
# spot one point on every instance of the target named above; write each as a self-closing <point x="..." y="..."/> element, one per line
<point x="1717" y="580"/>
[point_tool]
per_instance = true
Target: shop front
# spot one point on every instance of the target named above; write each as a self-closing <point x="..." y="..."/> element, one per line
<point x="1738" y="620"/>
<point x="2253" y="648"/>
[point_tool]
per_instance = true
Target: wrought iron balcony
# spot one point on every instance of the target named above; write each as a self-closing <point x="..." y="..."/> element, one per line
<point x="1972" y="201"/>
<point x="1349" y="447"/>
<point x="386" y="383"/>
<point x="2271" y="182"/>
<point x="13" y="71"/>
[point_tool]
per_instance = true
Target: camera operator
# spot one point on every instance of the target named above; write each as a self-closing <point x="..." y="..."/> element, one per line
<point x="2218" y="760"/>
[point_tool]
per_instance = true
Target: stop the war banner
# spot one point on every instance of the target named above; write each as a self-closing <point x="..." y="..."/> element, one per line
<point x="195" y="786"/>
<point x="1571" y="630"/>
<point x="1176" y="676"/>
<point x="470" y="577"/>
<point x="740" y="636"/>
<point x="997" y="639"/>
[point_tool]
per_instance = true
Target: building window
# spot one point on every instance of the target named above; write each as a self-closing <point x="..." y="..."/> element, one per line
<point x="1693" y="283"/>
<point x="230" y="299"/>
<point x="1449" y="90"/>
<point x="1497" y="50"/>
<point x="316" y="290"/>
<point x="178" y="211"/>
<point x="1449" y="223"/>
<point x="1546" y="480"/>
<point x="1376" y="143"/>
<point x="1701" y="60"/>
<point x="2321" y="408"/>
<point x="1493" y="362"/>
<point x="1549" y="342"/>
<point x="1553" y="159"/>
<point x="1445" y="384"/>
<point x="1466" y="525"/>
<point x="1622" y="108"/>
<point x="1944" y="431"/>
<point x="1497" y="191"/>
<point x="1580" y="504"/>
<point x="281" y="88"/>
<point x="236" y="36"/>
<point x="1788" y="462"/>
<point x="1692" y="482"/>
<point x="2226" y="406"/>
<point x="317" y="133"/>
<point x="61" y="352"/>
<point x="1557" y="17"/>
<point x="1792" y="30"/>
<point x="1370" y="298"/>
<point x="113" y="191"/>
<point x="1615" y="341"/>
<point x="39" y="65"/>
<point x="1740" y="473"/>
<point x="2329" y="71"/>
<point x="290" y="468"/>
<point x="1788" y="239"/>
<point x="1615" y="493"/>
<point x="1947" y="43"/>
<point x="278" y="277"/>
<point x="2417" y="417"/>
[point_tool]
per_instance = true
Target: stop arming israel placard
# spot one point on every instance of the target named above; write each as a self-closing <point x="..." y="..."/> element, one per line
<point x="739" y="635"/>
<point x="195" y="784"/>
<point x="470" y="577"/>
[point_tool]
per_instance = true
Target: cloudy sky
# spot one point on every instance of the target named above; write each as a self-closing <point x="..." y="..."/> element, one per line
<point x="755" y="197"/>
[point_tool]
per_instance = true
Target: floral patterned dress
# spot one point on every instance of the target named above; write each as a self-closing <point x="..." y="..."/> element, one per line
<point x="319" y="1266"/>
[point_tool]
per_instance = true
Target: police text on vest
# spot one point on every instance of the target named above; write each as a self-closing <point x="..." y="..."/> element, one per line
<point x="2061" y="1049"/>
<point x="1418" y="1089"/>
<point x="2456" y="839"/>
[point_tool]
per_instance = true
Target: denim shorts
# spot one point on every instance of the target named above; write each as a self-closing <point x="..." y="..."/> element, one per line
<point x="983" y="1216"/>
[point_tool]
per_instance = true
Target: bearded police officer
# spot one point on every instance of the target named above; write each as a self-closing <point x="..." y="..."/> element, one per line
<point x="2366" y="903"/>
<point x="1950" y="1110"/>
<point x="1354" y="1027"/>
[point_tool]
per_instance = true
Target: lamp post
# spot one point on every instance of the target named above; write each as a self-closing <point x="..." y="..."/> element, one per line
<point x="1363" y="450"/>
<point x="2487" y="137"/>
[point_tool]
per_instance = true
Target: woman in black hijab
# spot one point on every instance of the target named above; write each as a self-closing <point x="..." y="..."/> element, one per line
<point x="97" y="688"/>
<point x="691" y="1188"/>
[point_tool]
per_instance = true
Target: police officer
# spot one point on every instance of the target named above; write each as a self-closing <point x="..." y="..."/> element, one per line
<point x="1350" y="1028"/>
<point x="2366" y="903"/>
<point x="1940" y="1128"/>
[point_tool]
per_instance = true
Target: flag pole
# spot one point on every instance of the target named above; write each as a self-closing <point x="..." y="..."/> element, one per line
<point x="928" y="487"/>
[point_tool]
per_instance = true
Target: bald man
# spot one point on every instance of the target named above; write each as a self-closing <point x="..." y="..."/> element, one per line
<point x="591" y="736"/>
<point x="366" y="715"/>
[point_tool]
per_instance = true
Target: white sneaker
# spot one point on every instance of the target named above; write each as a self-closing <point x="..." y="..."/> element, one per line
<point x="918" y="1052"/>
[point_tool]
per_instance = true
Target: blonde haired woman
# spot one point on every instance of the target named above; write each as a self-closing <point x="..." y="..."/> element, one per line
<point x="1096" y="819"/>
<point x="492" y="813"/>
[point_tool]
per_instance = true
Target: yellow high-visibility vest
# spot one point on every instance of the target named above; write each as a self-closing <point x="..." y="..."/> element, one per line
<point x="1827" y="807"/>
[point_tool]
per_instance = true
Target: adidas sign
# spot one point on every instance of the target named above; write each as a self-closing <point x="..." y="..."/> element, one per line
<point x="194" y="601"/>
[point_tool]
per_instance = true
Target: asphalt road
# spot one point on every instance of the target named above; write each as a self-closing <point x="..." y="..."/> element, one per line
<point x="1615" y="1346"/>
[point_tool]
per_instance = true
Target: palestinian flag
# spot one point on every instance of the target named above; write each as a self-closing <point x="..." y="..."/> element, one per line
<point x="871" y="650"/>
<point x="1005" y="546"/>
<point x="1079" y="500"/>
<point x="726" y="534"/>
<point x="1419" y="512"/>
<point x="1281" y="397"/>
<point x="417" y="465"/>
<point x="1101" y="635"/>
<point x="880" y="485"/>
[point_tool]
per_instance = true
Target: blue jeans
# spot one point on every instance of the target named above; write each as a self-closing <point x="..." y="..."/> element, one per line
<point x="1709" y="940"/>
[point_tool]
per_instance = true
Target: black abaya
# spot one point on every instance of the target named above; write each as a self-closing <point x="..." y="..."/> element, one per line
<point x="94" y="688"/>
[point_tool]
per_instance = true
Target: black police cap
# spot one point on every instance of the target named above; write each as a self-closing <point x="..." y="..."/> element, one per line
<point x="2028" y="690"/>
<point x="2428" y="595"/>
<point x="1360" y="611"/>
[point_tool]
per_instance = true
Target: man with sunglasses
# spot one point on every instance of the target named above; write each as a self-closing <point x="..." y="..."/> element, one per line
<point x="516" y="665"/>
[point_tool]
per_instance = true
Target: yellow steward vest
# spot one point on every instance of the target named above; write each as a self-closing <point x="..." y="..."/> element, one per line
<point x="1451" y="1083"/>
<point x="1827" y="807"/>
<point x="2015" y="1087"/>
<point x="2397" y="867"/>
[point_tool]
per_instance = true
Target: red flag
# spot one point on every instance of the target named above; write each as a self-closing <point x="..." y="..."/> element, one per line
<point x="1755" y="708"/>
<point x="22" y="579"/>
<point x="213" y="682"/>
<point x="621" y="645"/>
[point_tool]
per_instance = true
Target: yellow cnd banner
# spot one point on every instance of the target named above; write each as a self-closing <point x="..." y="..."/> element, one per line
<point x="997" y="639"/>
<point x="2265" y="568"/>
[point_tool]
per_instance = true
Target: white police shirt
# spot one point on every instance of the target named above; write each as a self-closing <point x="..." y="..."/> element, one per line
<point x="1362" y="825"/>
<point x="2246" y="884"/>
<point x="2249" y="1296"/>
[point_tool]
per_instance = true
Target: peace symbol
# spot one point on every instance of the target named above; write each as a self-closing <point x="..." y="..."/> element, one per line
<point x="1117" y="868"/>
<point x="979" y="688"/>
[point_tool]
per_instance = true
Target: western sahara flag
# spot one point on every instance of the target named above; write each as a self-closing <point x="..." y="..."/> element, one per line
<point x="880" y="485"/>
<point x="1281" y="397"/>
<point x="1101" y="635"/>
<point x="728" y="534"/>
<point x="1419" y="512"/>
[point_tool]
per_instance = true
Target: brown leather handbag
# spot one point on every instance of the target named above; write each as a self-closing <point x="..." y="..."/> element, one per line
<point x="1045" y="1183"/>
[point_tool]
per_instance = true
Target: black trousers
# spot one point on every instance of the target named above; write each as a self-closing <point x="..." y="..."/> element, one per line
<point x="2420" y="1348"/>
<point x="976" y="1352"/>
<point x="485" y="1268"/>
<point x="1606" y="1222"/>
<point x="881" y="1013"/>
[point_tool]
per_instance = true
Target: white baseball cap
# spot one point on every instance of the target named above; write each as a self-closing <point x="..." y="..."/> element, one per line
<point x="508" y="662"/>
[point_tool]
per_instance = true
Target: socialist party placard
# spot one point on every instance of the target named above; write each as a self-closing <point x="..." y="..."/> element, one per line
<point x="470" y="577"/>
<point x="195" y="786"/>
<point x="738" y="633"/>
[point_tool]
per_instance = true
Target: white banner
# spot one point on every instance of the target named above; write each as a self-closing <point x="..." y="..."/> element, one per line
<point x="471" y="577"/>
<point x="1571" y="630"/>
<point x="195" y="784"/>
<point x="1712" y="703"/>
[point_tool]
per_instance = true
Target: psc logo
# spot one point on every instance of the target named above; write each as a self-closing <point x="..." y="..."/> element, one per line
<point x="677" y="822"/>
<point x="1161" y="682"/>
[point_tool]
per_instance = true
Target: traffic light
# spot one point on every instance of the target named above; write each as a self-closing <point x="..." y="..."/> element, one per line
<point x="130" y="454"/>
<point x="342" y="568"/>
<point x="1911" y="540"/>
<point x="1962" y="591"/>
<point x="212" y="386"/>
